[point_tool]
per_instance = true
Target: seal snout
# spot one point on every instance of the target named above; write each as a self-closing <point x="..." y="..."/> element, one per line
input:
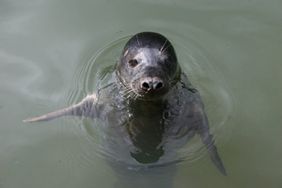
<point x="151" y="84"/>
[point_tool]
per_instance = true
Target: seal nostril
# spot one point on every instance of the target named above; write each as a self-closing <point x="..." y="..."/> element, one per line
<point x="152" y="86"/>
<point x="145" y="86"/>
<point x="159" y="85"/>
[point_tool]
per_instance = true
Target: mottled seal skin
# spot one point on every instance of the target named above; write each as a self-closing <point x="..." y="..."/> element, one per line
<point x="152" y="106"/>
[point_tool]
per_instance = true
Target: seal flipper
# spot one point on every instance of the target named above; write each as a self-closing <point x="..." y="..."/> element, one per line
<point x="85" y="108"/>
<point x="207" y="139"/>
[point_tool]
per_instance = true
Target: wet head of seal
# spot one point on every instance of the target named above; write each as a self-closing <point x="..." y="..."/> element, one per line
<point x="148" y="65"/>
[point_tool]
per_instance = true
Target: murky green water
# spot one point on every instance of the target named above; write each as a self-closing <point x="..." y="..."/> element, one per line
<point x="50" y="54"/>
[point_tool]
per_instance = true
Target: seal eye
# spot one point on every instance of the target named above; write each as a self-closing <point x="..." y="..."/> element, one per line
<point x="133" y="62"/>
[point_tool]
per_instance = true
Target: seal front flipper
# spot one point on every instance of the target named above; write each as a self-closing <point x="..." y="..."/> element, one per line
<point x="86" y="108"/>
<point x="203" y="131"/>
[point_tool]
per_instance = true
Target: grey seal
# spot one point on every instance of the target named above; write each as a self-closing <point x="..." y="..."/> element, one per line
<point x="150" y="103"/>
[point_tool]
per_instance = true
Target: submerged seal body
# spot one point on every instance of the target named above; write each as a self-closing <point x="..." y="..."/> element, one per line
<point x="151" y="103"/>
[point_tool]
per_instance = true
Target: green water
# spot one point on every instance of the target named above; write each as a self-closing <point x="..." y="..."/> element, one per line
<point x="46" y="47"/>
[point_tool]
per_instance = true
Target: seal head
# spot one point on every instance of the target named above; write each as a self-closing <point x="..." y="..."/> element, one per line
<point x="148" y="65"/>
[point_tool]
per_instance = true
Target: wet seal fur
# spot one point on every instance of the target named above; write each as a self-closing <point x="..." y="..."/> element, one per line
<point x="151" y="98"/>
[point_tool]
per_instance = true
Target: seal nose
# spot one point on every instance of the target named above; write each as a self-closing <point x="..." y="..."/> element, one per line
<point x="151" y="84"/>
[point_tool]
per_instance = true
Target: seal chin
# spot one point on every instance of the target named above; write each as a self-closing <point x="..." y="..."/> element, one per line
<point x="149" y="95"/>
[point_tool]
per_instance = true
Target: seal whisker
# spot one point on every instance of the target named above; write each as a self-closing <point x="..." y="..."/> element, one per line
<point x="137" y="40"/>
<point x="135" y="96"/>
<point x="165" y="48"/>
<point x="128" y="94"/>
<point x="161" y="50"/>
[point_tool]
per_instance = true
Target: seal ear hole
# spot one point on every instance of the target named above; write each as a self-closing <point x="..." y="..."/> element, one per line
<point x="133" y="63"/>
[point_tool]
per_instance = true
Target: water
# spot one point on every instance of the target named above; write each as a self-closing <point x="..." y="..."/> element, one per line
<point x="231" y="50"/>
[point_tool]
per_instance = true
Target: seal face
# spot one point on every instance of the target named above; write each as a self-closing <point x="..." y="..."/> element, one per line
<point x="148" y="65"/>
<point x="151" y="109"/>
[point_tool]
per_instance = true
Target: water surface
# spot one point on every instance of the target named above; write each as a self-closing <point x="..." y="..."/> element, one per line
<point x="49" y="52"/>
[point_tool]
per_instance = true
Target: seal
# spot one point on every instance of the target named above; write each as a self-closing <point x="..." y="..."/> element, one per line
<point x="151" y="104"/>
